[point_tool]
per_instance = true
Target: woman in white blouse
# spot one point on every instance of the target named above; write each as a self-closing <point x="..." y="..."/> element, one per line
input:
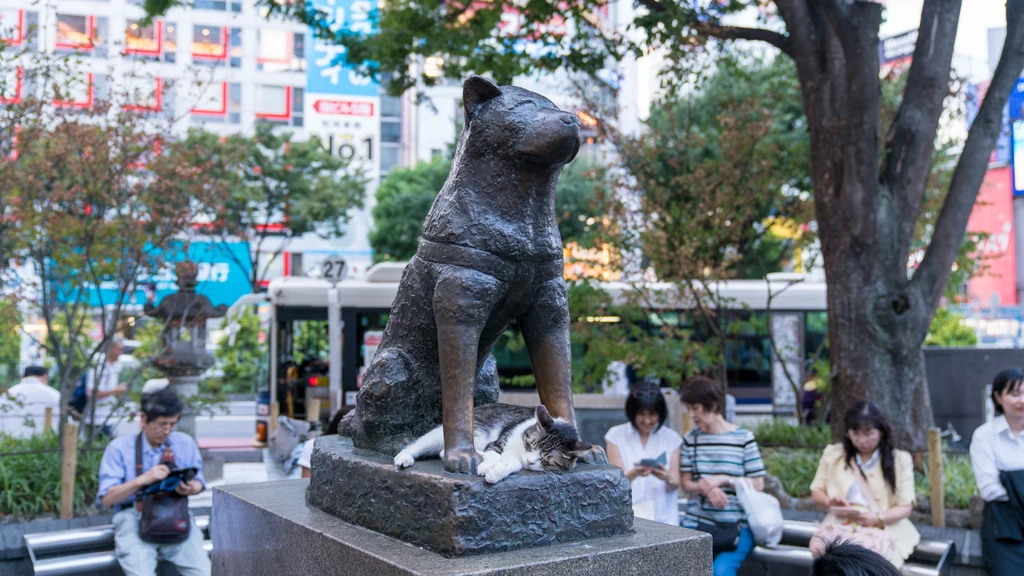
<point x="998" y="446"/>
<point x="648" y="451"/>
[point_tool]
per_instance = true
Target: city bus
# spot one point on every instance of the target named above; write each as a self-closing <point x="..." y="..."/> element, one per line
<point x="298" y="344"/>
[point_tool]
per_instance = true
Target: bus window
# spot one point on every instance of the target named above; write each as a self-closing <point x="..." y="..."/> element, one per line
<point x="815" y="335"/>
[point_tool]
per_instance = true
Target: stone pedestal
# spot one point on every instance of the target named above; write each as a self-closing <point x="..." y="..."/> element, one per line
<point x="458" y="514"/>
<point x="268" y="529"/>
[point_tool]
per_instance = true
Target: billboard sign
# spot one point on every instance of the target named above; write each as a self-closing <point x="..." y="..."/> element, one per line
<point x="327" y="72"/>
<point x="342" y="106"/>
<point x="1015" y="114"/>
<point x="896" y="51"/>
<point x="975" y="96"/>
<point x="993" y="215"/>
<point x="223" y="275"/>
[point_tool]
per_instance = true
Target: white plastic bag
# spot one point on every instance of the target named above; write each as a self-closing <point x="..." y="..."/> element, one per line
<point x="764" y="514"/>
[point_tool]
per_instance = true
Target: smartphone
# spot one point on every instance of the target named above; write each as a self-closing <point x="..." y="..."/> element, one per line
<point x="649" y="462"/>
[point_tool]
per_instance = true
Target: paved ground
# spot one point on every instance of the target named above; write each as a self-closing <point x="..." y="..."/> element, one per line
<point x="234" y="473"/>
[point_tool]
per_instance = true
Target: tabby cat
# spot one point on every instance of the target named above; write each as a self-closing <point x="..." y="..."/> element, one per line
<point x="510" y="438"/>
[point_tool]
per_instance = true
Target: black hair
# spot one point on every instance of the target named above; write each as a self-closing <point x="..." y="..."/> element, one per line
<point x="335" y="423"/>
<point x="35" y="371"/>
<point x="865" y="414"/>
<point x="1007" y="381"/>
<point x="163" y="402"/>
<point x="843" y="558"/>
<point x="646" y="396"/>
<point x="705" y="392"/>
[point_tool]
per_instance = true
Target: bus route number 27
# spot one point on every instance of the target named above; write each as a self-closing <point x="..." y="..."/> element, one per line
<point x="334" y="269"/>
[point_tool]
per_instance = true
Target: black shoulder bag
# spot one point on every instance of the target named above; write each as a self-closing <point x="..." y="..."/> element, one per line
<point x="165" y="518"/>
<point x="724" y="537"/>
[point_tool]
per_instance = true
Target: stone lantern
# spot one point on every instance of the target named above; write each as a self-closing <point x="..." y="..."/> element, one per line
<point x="183" y="357"/>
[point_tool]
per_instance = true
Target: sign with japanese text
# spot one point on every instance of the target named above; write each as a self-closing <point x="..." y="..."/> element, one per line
<point x="223" y="275"/>
<point x="327" y="73"/>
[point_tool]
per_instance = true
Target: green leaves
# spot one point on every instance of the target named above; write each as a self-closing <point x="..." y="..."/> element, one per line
<point x="947" y="329"/>
<point x="403" y="200"/>
<point x="242" y="355"/>
<point x="406" y="195"/>
<point x="714" y="165"/>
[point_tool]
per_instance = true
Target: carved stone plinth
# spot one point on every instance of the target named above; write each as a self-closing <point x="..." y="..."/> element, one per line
<point x="455" y="514"/>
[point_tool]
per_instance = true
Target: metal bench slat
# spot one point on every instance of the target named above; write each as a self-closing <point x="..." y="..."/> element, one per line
<point x="46" y="543"/>
<point x="77" y="564"/>
<point x="85" y="563"/>
<point x="63" y="541"/>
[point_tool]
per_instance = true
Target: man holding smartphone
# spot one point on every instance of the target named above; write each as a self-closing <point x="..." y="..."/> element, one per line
<point x="162" y="450"/>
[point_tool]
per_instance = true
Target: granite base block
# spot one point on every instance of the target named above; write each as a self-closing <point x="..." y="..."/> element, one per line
<point x="458" y="514"/>
<point x="268" y="529"/>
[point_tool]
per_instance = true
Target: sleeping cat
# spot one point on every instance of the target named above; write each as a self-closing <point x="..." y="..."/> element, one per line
<point x="510" y="438"/>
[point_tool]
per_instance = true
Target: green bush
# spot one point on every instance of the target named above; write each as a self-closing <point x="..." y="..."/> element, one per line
<point x="784" y="434"/>
<point x="794" y="468"/>
<point x="958" y="479"/>
<point x="30" y="483"/>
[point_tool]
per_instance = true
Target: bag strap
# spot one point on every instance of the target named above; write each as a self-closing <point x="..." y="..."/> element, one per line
<point x="138" y="457"/>
<point x="862" y="483"/>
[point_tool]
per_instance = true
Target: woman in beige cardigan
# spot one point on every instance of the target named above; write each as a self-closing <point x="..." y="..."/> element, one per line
<point x="887" y="473"/>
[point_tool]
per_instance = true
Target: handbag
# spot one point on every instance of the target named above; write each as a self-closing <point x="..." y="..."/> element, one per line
<point x="289" y="434"/>
<point x="832" y="528"/>
<point x="724" y="537"/>
<point x="164" y="515"/>
<point x="764" y="513"/>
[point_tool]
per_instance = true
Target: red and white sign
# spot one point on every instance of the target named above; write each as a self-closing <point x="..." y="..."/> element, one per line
<point x="993" y="214"/>
<point x="344" y="107"/>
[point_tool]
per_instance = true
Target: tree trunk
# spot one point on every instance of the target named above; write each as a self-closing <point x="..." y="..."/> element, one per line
<point x="875" y="354"/>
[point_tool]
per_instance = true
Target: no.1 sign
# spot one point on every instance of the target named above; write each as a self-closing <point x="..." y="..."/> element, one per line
<point x="350" y="127"/>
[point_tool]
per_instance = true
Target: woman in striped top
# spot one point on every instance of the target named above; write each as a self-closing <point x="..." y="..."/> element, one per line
<point x="714" y="453"/>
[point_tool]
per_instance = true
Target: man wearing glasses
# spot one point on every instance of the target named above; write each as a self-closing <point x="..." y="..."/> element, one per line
<point x="162" y="449"/>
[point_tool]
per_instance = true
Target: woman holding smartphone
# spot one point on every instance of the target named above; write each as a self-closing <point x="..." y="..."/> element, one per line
<point x="648" y="451"/>
<point x="867" y="487"/>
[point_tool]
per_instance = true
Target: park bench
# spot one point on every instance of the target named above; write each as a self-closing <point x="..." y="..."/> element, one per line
<point x="930" y="558"/>
<point x="83" y="550"/>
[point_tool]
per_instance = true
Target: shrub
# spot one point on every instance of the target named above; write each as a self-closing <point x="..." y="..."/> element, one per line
<point x="794" y="468"/>
<point x="958" y="479"/>
<point x="30" y="483"/>
<point x="784" y="434"/>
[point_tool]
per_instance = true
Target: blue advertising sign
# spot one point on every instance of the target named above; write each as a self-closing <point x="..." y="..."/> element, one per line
<point x="975" y="95"/>
<point x="224" y="270"/>
<point x="326" y="71"/>
<point x="1016" y="103"/>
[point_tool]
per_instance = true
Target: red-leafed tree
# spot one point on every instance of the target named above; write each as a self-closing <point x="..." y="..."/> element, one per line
<point x="91" y="197"/>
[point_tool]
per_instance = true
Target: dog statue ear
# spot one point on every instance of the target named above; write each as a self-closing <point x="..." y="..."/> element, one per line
<point x="475" y="91"/>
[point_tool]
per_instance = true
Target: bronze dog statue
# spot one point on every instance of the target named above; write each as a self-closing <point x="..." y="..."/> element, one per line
<point x="490" y="255"/>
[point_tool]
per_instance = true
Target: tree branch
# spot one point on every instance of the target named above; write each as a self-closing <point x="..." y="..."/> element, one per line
<point x="930" y="279"/>
<point x="910" y="144"/>
<point x="780" y="41"/>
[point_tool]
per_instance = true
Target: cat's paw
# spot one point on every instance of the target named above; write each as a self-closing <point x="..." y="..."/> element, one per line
<point x="495" y="475"/>
<point x="404" y="460"/>
<point x="490" y="460"/>
<point x="501" y="470"/>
